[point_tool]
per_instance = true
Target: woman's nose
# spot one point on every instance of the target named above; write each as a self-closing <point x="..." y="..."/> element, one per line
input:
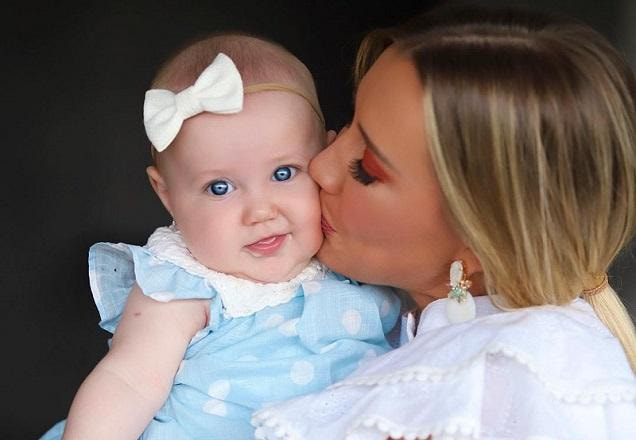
<point x="327" y="168"/>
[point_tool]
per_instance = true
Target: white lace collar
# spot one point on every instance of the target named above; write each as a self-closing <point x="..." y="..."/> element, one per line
<point x="240" y="297"/>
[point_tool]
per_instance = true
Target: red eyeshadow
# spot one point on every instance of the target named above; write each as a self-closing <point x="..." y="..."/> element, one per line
<point x="371" y="166"/>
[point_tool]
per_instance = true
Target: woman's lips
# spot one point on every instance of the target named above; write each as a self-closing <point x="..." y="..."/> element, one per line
<point x="267" y="246"/>
<point x="326" y="227"/>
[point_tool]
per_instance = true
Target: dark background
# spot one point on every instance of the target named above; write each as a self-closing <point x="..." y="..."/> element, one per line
<point x="74" y="152"/>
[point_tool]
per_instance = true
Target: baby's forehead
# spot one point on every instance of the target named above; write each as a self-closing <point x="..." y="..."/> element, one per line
<point x="270" y="124"/>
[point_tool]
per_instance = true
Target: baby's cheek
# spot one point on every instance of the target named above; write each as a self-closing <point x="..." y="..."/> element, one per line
<point x="210" y="240"/>
<point x="308" y="220"/>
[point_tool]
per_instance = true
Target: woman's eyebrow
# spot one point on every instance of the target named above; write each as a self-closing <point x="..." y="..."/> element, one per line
<point x="374" y="148"/>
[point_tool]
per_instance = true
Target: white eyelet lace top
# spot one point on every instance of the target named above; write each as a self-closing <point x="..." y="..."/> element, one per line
<point x="536" y="373"/>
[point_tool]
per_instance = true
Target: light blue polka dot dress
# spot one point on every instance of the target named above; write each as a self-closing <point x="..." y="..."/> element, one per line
<point x="264" y="343"/>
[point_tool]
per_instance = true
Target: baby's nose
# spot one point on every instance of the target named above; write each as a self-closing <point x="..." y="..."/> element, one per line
<point x="260" y="210"/>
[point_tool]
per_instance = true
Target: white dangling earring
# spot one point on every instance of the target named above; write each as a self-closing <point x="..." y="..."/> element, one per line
<point x="460" y="306"/>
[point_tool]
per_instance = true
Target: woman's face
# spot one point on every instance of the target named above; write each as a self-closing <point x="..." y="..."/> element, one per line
<point x="383" y="213"/>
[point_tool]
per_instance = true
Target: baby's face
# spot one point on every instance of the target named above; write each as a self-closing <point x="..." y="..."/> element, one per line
<point x="238" y="188"/>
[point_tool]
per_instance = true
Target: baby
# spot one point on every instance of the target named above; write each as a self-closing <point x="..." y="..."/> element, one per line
<point x="225" y="310"/>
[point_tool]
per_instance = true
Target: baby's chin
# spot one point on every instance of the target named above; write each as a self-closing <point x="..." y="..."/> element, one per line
<point x="272" y="269"/>
<point x="272" y="273"/>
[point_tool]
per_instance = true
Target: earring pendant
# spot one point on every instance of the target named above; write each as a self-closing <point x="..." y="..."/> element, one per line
<point x="460" y="305"/>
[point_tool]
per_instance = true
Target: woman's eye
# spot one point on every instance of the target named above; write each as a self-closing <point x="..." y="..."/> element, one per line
<point x="284" y="173"/>
<point x="220" y="188"/>
<point x="359" y="173"/>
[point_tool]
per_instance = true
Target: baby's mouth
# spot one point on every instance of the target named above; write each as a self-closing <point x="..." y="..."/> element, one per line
<point x="268" y="245"/>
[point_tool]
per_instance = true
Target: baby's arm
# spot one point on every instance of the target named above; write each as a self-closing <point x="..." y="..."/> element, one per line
<point x="129" y="385"/>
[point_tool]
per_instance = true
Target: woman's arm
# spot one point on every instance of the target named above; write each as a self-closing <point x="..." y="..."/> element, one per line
<point x="129" y="385"/>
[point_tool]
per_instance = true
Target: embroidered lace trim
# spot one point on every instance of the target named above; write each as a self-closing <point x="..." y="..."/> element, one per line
<point x="422" y="373"/>
<point x="458" y="428"/>
<point x="240" y="297"/>
<point x="278" y="427"/>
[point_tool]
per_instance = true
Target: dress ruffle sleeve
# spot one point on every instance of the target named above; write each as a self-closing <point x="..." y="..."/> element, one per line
<point x="115" y="267"/>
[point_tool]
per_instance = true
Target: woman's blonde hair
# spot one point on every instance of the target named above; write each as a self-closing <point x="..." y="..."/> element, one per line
<point x="531" y="129"/>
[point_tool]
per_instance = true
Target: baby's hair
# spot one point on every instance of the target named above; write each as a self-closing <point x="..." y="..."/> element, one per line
<point x="257" y="59"/>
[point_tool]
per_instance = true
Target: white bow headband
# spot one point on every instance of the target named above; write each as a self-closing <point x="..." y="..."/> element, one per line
<point x="219" y="89"/>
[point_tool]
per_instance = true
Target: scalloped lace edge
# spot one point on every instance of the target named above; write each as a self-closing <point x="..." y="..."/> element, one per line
<point x="464" y="428"/>
<point x="280" y="428"/>
<point x="283" y="431"/>
<point x="422" y="373"/>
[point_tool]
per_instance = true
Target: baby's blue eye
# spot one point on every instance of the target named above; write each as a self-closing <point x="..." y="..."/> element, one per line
<point x="284" y="173"/>
<point x="220" y="187"/>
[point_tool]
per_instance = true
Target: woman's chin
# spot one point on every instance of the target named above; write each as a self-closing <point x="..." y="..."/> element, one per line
<point x="327" y="255"/>
<point x="339" y="260"/>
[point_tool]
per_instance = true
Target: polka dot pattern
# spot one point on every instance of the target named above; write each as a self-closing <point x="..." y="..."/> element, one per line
<point x="274" y="320"/>
<point x="215" y="407"/>
<point x="236" y="361"/>
<point x="385" y="308"/>
<point x="352" y="321"/>
<point x="162" y="296"/>
<point x="288" y="328"/>
<point x="368" y="355"/>
<point x="219" y="389"/>
<point x="311" y="287"/>
<point x="302" y="372"/>
<point x="328" y="348"/>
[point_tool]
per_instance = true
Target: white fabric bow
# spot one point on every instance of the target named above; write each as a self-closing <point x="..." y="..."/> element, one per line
<point x="219" y="89"/>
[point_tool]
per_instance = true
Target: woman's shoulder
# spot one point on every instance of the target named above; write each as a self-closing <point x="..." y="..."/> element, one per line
<point x="566" y="347"/>
<point x="551" y="371"/>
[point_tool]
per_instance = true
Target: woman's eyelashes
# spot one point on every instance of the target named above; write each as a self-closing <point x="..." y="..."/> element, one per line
<point x="359" y="173"/>
<point x="367" y="170"/>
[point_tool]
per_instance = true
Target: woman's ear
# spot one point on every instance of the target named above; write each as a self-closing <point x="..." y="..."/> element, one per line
<point x="159" y="186"/>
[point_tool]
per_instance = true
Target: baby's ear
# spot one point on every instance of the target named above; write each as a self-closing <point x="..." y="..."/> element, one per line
<point x="159" y="185"/>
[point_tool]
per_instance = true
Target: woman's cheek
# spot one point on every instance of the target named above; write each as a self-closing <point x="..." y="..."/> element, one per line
<point x="367" y="215"/>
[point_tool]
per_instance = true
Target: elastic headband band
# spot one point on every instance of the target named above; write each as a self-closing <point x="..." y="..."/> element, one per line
<point x="276" y="87"/>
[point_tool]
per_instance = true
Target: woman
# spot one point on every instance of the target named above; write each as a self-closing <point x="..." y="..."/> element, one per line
<point x="495" y="152"/>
